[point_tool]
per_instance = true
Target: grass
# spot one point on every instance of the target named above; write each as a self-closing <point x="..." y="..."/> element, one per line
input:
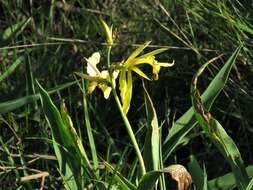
<point x="47" y="41"/>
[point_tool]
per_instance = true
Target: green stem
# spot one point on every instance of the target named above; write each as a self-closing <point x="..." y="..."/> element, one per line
<point x="124" y="117"/>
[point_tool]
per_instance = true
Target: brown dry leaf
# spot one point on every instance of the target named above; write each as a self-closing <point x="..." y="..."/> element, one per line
<point x="181" y="176"/>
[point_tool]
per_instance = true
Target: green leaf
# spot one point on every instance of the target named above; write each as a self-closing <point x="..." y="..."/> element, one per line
<point x="217" y="134"/>
<point x="11" y="105"/>
<point x="66" y="145"/>
<point x="250" y="185"/>
<point x="89" y="132"/>
<point x="187" y="121"/>
<point x="13" y="30"/>
<point x="154" y="52"/>
<point x="124" y="183"/>
<point x="12" y="68"/>
<point x="227" y="181"/>
<point x="152" y="140"/>
<point x="199" y="176"/>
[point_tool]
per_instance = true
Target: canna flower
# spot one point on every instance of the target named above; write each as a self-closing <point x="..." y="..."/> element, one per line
<point x="97" y="78"/>
<point x="132" y="64"/>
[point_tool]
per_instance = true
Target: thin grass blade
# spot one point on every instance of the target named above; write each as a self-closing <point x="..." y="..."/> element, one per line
<point x="151" y="147"/>
<point x="11" y="105"/>
<point x="12" y="68"/>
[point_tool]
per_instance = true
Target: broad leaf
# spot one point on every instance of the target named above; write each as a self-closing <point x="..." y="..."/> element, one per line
<point x="187" y="121"/>
<point x="217" y="134"/>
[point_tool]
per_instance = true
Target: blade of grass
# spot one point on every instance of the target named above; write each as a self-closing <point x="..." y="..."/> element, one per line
<point x="89" y="131"/>
<point x="11" y="105"/>
<point x="12" y="68"/>
<point x="152" y="140"/>
<point x="13" y="30"/>
<point x="125" y="184"/>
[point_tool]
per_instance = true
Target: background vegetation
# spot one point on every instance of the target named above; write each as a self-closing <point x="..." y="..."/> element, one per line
<point x="47" y="40"/>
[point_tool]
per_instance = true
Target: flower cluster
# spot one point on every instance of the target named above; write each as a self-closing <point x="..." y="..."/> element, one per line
<point x="103" y="79"/>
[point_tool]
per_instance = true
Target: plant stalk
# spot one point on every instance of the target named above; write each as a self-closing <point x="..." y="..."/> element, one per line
<point x="124" y="117"/>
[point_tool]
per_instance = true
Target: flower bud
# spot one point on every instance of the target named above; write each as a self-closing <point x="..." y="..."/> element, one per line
<point x="108" y="33"/>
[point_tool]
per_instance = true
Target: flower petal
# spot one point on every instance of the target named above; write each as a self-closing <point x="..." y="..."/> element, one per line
<point x="92" y="86"/>
<point x="136" y="53"/>
<point x="155" y="52"/>
<point x="147" y="60"/>
<point x="156" y="69"/>
<point x="122" y="85"/>
<point x="106" y="90"/>
<point x="128" y="95"/>
<point x="140" y="72"/>
<point x="104" y="74"/>
<point x="166" y="64"/>
<point x="115" y="74"/>
<point x="91" y="64"/>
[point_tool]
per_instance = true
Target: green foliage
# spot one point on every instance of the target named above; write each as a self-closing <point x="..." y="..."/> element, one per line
<point x="68" y="148"/>
<point x="95" y="144"/>
<point x="215" y="131"/>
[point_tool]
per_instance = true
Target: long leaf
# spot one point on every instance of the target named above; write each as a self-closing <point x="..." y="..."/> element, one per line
<point x="152" y="140"/>
<point x="187" y="121"/>
<point x="124" y="183"/>
<point x="12" y="68"/>
<point x="217" y="134"/>
<point x="13" y="30"/>
<point x="70" y="158"/>
<point x="199" y="176"/>
<point x="227" y="181"/>
<point x="11" y="105"/>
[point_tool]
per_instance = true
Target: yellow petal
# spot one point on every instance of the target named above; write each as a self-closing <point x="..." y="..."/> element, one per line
<point x="140" y="72"/>
<point x="91" y="64"/>
<point x="106" y="90"/>
<point x="128" y="95"/>
<point x="104" y="74"/>
<point x="138" y="61"/>
<point x="137" y="52"/>
<point x="92" y="86"/>
<point x="115" y="74"/>
<point x="156" y="69"/>
<point x="157" y="66"/>
<point x="166" y="64"/>
<point x="155" y="52"/>
<point x="122" y="85"/>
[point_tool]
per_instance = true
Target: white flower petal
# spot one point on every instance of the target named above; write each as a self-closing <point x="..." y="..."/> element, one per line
<point x="91" y="64"/>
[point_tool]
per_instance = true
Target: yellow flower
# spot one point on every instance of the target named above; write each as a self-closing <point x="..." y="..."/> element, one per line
<point x="97" y="78"/>
<point x="132" y="64"/>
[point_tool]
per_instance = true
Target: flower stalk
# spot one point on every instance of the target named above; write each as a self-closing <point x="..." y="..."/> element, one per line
<point x="124" y="117"/>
